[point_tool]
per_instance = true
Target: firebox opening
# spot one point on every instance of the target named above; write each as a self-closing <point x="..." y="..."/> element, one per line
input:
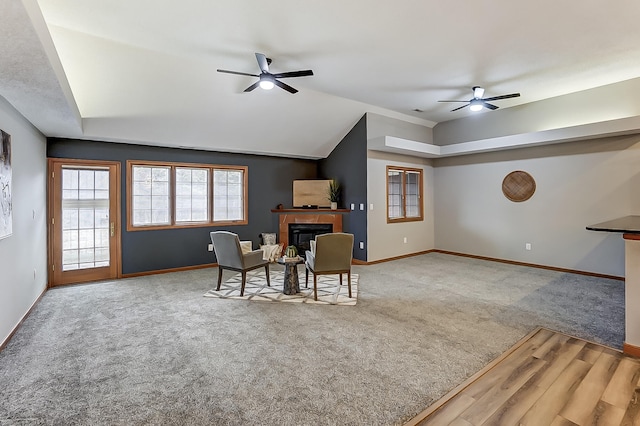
<point x="301" y="233"/>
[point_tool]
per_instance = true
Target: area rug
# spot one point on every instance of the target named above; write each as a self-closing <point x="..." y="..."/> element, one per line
<point x="330" y="292"/>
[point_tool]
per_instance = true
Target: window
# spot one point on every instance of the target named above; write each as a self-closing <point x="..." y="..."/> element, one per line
<point x="192" y="195"/>
<point x="404" y="194"/>
<point x="228" y="195"/>
<point x="150" y="196"/>
<point x="170" y="195"/>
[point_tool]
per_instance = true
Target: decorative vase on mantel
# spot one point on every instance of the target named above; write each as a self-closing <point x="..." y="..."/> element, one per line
<point x="333" y="193"/>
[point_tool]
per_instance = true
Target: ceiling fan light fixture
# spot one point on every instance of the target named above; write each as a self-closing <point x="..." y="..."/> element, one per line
<point x="475" y="105"/>
<point x="266" y="82"/>
<point x="478" y="92"/>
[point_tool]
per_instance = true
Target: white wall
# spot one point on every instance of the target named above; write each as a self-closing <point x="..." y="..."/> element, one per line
<point x="386" y="240"/>
<point x="578" y="184"/>
<point x="25" y="251"/>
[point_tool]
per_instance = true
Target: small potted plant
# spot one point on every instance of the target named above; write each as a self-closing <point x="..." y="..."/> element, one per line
<point x="334" y="193"/>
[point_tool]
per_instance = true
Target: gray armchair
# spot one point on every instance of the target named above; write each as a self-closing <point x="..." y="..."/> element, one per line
<point x="332" y="255"/>
<point x="229" y="254"/>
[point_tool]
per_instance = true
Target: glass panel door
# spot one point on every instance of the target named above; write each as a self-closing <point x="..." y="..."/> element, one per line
<point x="84" y="218"/>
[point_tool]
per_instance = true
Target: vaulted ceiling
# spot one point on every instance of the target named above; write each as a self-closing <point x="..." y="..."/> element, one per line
<point x="144" y="71"/>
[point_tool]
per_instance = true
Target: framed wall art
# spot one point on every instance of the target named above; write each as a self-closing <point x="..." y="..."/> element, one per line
<point x="6" y="209"/>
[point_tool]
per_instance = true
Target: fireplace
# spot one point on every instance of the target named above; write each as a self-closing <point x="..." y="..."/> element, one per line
<point x="306" y="217"/>
<point x="301" y="233"/>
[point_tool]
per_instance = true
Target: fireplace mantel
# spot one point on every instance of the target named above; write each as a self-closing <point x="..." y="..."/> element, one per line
<point x="324" y="216"/>
<point x="294" y="210"/>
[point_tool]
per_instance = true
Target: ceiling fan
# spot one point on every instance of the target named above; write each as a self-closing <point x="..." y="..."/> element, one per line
<point x="267" y="79"/>
<point x="478" y="102"/>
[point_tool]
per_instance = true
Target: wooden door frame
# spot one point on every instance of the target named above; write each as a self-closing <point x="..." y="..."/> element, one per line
<point x="51" y="164"/>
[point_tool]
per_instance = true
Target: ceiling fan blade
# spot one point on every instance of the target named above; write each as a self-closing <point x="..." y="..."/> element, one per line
<point x="252" y="87"/>
<point x="490" y="106"/>
<point x="238" y="73"/>
<point x="285" y="86"/>
<point x="303" y="73"/>
<point x="262" y="62"/>
<point x="463" y="106"/>
<point x="453" y="101"/>
<point x="495" y="98"/>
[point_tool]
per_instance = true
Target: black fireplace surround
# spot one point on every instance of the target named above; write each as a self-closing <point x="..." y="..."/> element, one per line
<point x="301" y="233"/>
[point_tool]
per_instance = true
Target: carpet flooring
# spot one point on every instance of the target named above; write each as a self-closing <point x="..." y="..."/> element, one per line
<point x="152" y="350"/>
<point x="330" y="292"/>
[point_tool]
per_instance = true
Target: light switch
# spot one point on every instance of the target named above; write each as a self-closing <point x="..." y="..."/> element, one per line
<point x="371" y="206"/>
<point x="353" y="206"/>
<point x="361" y="206"/>
<point x="361" y="245"/>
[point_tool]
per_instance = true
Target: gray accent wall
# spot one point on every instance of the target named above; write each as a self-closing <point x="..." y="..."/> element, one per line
<point x="270" y="183"/>
<point x="577" y="184"/>
<point x="348" y="164"/>
<point x="23" y="255"/>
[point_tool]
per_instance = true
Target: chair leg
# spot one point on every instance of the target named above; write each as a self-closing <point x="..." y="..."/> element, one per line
<point x="219" y="278"/>
<point x="315" y="287"/>
<point x="266" y="268"/>
<point x="306" y="277"/>
<point x="340" y="279"/>
<point x="244" y="280"/>
<point x="349" y="282"/>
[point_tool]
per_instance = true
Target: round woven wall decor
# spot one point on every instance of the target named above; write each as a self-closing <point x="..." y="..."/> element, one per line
<point x="518" y="186"/>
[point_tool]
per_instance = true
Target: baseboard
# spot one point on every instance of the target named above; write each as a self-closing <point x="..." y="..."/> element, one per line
<point x="24" y="317"/>
<point x="531" y="265"/>
<point x="631" y="349"/>
<point x="166" y="271"/>
<point x="404" y="256"/>
<point x="389" y="259"/>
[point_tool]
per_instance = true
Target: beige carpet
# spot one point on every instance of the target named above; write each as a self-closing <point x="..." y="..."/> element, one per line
<point x="330" y="292"/>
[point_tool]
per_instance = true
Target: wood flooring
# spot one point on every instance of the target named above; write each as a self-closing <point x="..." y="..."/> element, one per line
<point x="547" y="378"/>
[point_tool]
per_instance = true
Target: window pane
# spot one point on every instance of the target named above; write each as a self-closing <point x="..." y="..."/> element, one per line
<point x="69" y="179"/>
<point x="228" y="190"/>
<point x="394" y="194"/>
<point x="102" y="180"/>
<point x="150" y="195"/>
<point x="412" y="195"/>
<point x="192" y="191"/>
<point x="69" y="184"/>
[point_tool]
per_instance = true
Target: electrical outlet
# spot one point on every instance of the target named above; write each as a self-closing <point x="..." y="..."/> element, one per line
<point x="353" y="206"/>
<point x="405" y="240"/>
<point x="361" y="245"/>
<point x="210" y="247"/>
<point x="527" y="246"/>
<point x="361" y="206"/>
<point x="371" y="206"/>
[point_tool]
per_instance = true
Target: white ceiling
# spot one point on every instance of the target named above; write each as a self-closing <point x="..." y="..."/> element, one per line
<point x="144" y="71"/>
